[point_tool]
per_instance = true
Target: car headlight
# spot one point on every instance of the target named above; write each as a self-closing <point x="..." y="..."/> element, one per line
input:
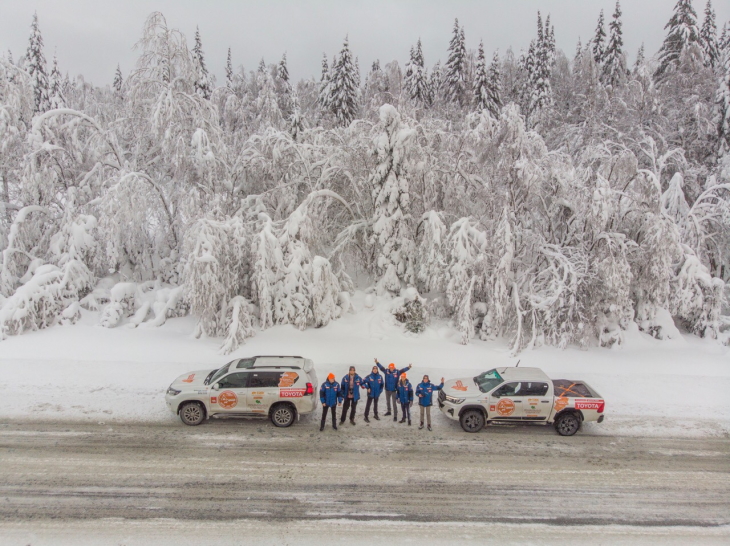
<point x="172" y="392"/>
<point x="454" y="400"/>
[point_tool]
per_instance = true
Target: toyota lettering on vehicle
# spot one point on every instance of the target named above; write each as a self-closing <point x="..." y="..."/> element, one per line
<point x="291" y="393"/>
<point x="597" y="405"/>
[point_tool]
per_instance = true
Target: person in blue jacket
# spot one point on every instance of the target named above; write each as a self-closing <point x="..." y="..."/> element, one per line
<point x="351" y="385"/>
<point x="391" y="383"/>
<point x="424" y="391"/>
<point x="330" y="395"/>
<point x="405" y="397"/>
<point x="374" y="384"/>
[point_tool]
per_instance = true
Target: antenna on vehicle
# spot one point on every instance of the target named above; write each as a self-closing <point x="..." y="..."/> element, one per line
<point x="518" y="363"/>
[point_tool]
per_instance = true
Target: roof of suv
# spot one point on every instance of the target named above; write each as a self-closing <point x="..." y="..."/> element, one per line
<point x="269" y="361"/>
<point x="522" y="374"/>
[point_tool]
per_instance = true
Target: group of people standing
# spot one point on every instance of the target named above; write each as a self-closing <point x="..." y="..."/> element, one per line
<point x="395" y="383"/>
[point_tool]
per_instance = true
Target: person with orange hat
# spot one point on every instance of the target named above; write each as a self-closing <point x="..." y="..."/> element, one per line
<point x="424" y="391"/>
<point x="330" y="395"/>
<point x="405" y="397"/>
<point x="391" y="385"/>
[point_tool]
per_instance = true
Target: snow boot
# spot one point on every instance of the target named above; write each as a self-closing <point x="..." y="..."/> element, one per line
<point x="334" y="426"/>
<point x="402" y="420"/>
<point x="409" y="422"/>
<point x="366" y="420"/>
<point x="376" y="418"/>
<point x="321" y="428"/>
<point x="429" y="427"/>
<point x="386" y="414"/>
<point x="352" y="421"/>
<point x="395" y="417"/>
<point x="419" y="428"/>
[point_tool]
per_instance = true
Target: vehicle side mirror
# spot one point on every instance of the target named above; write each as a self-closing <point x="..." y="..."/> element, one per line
<point x="216" y="386"/>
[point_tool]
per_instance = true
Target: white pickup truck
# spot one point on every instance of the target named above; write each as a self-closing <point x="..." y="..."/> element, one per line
<point x="520" y="395"/>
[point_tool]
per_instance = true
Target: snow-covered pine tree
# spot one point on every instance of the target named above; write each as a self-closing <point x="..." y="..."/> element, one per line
<point x="494" y="87"/>
<point x="202" y="80"/>
<point x="323" y="98"/>
<point x="481" y="84"/>
<point x="454" y="79"/>
<point x="416" y="79"/>
<point x="431" y="253"/>
<point x="434" y="83"/>
<point x="392" y="232"/>
<point x="118" y="82"/>
<point x="36" y="67"/>
<point x="539" y="70"/>
<point x="56" y="99"/>
<point x="282" y="72"/>
<point x="326" y="291"/>
<point x="408" y="75"/>
<point x="640" y="58"/>
<point x="722" y="104"/>
<point x="708" y="37"/>
<point x="682" y="32"/>
<point x="614" y="61"/>
<point x="598" y="43"/>
<point x="344" y="88"/>
<point x="550" y="42"/>
<point x="229" y="70"/>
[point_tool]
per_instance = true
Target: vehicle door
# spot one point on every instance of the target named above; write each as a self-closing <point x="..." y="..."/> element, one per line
<point x="538" y="399"/>
<point x="230" y="393"/>
<point x="506" y="403"/>
<point x="263" y="390"/>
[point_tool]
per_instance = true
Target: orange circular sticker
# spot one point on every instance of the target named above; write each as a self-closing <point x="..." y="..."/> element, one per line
<point x="506" y="407"/>
<point x="227" y="399"/>
<point x="560" y="403"/>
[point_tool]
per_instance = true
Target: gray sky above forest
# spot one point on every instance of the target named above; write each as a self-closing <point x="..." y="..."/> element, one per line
<point x="91" y="36"/>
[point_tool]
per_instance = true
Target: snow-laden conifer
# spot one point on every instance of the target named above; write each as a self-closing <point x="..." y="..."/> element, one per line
<point x="344" y="90"/>
<point x="598" y="45"/>
<point x="202" y="80"/>
<point x="56" y="99"/>
<point x="454" y="77"/>
<point x="36" y="67"/>
<point x="614" y="61"/>
<point x="682" y="32"/>
<point x="392" y="221"/>
<point x="708" y="37"/>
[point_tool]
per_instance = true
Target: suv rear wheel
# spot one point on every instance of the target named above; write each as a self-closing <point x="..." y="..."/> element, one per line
<point x="282" y="415"/>
<point x="472" y="420"/>
<point x="567" y="424"/>
<point x="192" y="413"/>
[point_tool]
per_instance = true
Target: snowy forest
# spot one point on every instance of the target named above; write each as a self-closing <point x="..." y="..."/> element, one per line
<point x="532" y="195"/>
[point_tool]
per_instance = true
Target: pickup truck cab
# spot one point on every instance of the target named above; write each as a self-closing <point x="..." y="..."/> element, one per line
<point x="278" y="387"/>
<point x="520" y="395"/>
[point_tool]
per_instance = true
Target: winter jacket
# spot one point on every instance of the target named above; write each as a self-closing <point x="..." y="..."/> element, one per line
<point x="374" y="382"/>
<point x="330" y="393"/>
<point x="405" y="392"/>
<point x="346" y="387"/>
<point x="391" y="376"/>
<point x="424" y="391"/>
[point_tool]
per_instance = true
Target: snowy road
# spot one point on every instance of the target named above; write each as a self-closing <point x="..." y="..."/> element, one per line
<point x="247" y="473"/>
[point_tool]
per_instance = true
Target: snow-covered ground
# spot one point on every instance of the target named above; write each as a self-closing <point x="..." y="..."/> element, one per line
<point x="88" y="372"/>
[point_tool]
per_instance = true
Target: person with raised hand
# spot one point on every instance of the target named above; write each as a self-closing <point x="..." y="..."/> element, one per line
<point x="330" y="396"/>
<point x="424" y="391"/>
<point x="391" y="374"/>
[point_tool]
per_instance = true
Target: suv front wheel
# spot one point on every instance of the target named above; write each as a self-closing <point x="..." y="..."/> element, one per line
<point x="192" y="413"/>
<point x="472" y="420"/>
<point x="282" y="415"/>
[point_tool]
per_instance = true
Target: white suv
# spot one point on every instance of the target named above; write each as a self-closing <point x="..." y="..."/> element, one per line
<point x="278" y="387"/>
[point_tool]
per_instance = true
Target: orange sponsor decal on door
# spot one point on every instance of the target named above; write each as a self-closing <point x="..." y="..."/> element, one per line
<point x="288" y="379"/>
<point x="227" y="399"/>
<point x="506" y="407"/>
<point x="561" y="403"/>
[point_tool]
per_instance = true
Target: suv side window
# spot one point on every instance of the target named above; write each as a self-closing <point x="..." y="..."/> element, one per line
<point x="535" y="389"/>
<point x="234" y="381"/>
<point x="263" y="380"/>
<point x="510" y="389"/>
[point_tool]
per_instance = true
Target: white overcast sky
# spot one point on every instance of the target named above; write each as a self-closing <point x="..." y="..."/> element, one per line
<point x="91" y="36"/>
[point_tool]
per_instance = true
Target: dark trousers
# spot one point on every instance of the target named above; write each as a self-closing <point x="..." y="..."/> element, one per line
<point x="334" y="415"/>
<point x="406" y="408"/>
<point x="373" y="401"/>
<point x="349" y="402"/>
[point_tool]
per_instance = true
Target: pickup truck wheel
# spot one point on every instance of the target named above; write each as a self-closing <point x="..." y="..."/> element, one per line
<point x="192" y="413"/>
<point x="567" y="424"/>
<point x="282" y="415"/>
<point x="472" y="420"/>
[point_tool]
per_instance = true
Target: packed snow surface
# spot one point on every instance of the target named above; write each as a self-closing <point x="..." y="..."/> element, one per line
<point x="670" y="387"/>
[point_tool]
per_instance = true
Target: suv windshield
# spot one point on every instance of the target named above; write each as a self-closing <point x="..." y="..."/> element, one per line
<point x="221" y="372"/>
<point x="488" y="380"/>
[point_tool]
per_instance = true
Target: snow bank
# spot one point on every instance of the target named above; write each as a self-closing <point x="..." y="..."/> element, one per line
<point x="675" y="387"/>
